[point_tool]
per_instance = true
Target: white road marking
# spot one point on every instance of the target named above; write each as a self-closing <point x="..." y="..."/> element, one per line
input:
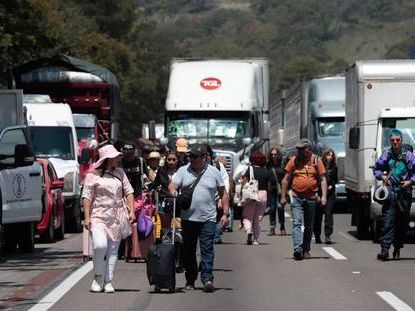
<point x="347" y="236"/>
<point x="333" y="253"/>
<point x="287" y="215"/>
<point x="53" y="297"/>
<point x="356" y="272"/>
<point x="394" y="301"/>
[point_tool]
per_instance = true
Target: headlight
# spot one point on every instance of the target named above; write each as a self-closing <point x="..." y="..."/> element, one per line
<point x="68" y="182"/>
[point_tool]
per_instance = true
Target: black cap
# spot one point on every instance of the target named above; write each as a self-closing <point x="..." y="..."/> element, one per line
<point x="302" y="143"/>
<point x="128" y="147"/>
<point x="198" y="150"/>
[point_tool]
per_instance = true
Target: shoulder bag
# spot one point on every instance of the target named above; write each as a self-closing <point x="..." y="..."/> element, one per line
<point x="184" y="199"/>
<point x="250" y="188"/>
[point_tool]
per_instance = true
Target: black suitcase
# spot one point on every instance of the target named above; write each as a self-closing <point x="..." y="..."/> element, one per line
<point x="161" y="263"/>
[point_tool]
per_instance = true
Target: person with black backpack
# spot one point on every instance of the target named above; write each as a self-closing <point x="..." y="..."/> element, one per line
<point x="399" y="165"/>
<point x="303" y="173"/>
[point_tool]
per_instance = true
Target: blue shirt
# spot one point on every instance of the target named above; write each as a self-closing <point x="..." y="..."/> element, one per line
<point x="203" y="207"/>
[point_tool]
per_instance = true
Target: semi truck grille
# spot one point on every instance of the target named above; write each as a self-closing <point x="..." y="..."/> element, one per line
<point x="228" y="157"/>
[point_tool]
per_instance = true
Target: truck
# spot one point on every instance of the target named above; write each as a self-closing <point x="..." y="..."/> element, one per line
<point x="87" y="88"/>
<point x="20" y="177"/>
<point x="54" y="138"/>
<point x="312" y="108"/>
<point x="222" y="102"/>
<point x="380" y="95"/>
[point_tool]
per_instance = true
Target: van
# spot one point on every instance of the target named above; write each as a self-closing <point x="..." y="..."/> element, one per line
<point x="54" y="137"/>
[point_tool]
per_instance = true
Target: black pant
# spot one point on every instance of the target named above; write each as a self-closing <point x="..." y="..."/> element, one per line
<point x="328" y="217"/>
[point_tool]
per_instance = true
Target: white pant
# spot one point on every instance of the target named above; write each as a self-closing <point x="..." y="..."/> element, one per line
<point x="104" y="247"/>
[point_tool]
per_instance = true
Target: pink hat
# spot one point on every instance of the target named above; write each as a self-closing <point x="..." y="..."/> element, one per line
<point x="106" y="152"/>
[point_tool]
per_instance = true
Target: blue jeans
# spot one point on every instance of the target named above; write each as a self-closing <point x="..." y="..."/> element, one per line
<point x="395" y="221"/>
<point x="299" y="207"/>
<point x="218" y="232"/>
<point x="205" y="233"/>
<point x="274" y="206"/>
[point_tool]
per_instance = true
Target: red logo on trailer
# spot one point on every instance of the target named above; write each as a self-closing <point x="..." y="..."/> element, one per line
<point x="210" y="84"/>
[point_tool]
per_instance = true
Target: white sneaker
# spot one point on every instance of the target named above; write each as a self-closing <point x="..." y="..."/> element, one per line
<point x="108" y="288"/>
<point x="96" y="287"/>
<point x="256" y="242"/>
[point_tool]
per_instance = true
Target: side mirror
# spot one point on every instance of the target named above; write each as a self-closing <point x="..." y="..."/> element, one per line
<point x="85" y="156"/>
<point x="56" y="184"/>
<point x="246" y="141"/>
<point x="93" y="144"/>
<point x="354" y="138"/>
<point x="280" y="137"/>
<point x="23" y="155"/>
<point x="164" y="140"/>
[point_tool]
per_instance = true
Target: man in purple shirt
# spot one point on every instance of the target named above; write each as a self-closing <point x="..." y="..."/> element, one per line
<point x="395" y="167"/>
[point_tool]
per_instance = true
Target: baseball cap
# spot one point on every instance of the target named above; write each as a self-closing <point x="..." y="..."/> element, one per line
<point x="128" y="147"/>
<point x="182" y="145"/>
<point x="198" y="150"/>
<point x="302" y="143"/>
<point x="154" y="155"/>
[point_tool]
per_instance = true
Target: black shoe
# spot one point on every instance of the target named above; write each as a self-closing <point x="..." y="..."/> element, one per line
<point x="383" y="255"/>
<point x="298" y="255"/>
<point x="189" y="286"/>
<point x="396" y="254"/>
<point x="318" y="240"/>
<point x="249" y="239"/>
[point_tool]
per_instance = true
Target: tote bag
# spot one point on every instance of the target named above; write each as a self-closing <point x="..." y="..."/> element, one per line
<point x="250" y="188"/>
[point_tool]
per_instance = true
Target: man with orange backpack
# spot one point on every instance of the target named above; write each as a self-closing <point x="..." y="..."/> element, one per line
<point x="303" y="174"/>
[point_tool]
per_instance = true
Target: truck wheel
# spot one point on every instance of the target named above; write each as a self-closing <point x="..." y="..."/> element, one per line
<point x="363" y="221"/>
<point x="49" y="235"/>
<point x="2" y="241"/>
<point x="27" y="238"/>
<point x="10" y="238"/>
<point x="60" y="232"/>
<point x="375" y="228"/>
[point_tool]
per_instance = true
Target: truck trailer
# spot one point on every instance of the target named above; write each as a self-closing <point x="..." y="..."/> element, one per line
<point x="380" y="95"/>
<point x="312" y="108"/>
<point x="220" y="102"/>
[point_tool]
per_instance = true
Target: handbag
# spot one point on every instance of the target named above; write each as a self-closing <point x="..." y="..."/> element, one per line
<point x="184" y="199"/>
<point x="250" y="188"/>
<point x="145" y="226"/>
<point x="124" y="219"/>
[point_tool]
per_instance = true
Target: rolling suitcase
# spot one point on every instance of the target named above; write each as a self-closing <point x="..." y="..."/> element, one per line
<point x="161" y="263"/>
<point x="87" y="249"/>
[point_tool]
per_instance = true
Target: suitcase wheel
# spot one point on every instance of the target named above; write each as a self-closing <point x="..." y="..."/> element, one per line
<point x="157" y="289"/>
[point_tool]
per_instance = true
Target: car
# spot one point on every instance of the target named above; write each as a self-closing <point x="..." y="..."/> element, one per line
<point x="52" y="225"/>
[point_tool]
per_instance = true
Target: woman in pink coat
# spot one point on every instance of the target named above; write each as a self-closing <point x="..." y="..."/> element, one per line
<point x="103" y="200"/>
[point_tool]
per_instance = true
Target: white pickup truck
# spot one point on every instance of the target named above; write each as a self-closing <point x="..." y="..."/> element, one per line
<point x="20" y="177"/>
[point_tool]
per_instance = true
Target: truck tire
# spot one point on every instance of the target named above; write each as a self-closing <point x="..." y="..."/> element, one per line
<point x="375" y="230"/>
<point x="49" y="235"/>
<point x="2" y="241"/>
<point x="363" y="220"/>
<point x="75" y="220"/>
<point x="10" y="238"/>
<point x="60" y="232"/>
<point x="26" y="239"/>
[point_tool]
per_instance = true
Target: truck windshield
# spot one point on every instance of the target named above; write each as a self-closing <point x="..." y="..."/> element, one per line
<point x="53" y="141"/>
<point x="219" y="133"/>
<point x="85" y="133"/>
<point x="330" y="127"/>
<point x="405" y="125"/>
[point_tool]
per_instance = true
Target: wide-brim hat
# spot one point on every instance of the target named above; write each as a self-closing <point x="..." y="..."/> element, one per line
<point x="106" y="152"/>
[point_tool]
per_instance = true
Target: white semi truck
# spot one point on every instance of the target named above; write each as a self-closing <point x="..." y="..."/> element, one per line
<point x="312" y="108"/>
<point x="220" y="102"/>
<point x="380" y="95"/>
<point x="20" y="177"/>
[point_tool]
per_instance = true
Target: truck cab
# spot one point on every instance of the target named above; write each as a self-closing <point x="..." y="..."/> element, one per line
<point x="20" y="177"/>
<point x="54" y="137"/>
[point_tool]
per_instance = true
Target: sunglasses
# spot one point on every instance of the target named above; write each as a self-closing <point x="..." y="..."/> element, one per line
<point x="395" y="140"/>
